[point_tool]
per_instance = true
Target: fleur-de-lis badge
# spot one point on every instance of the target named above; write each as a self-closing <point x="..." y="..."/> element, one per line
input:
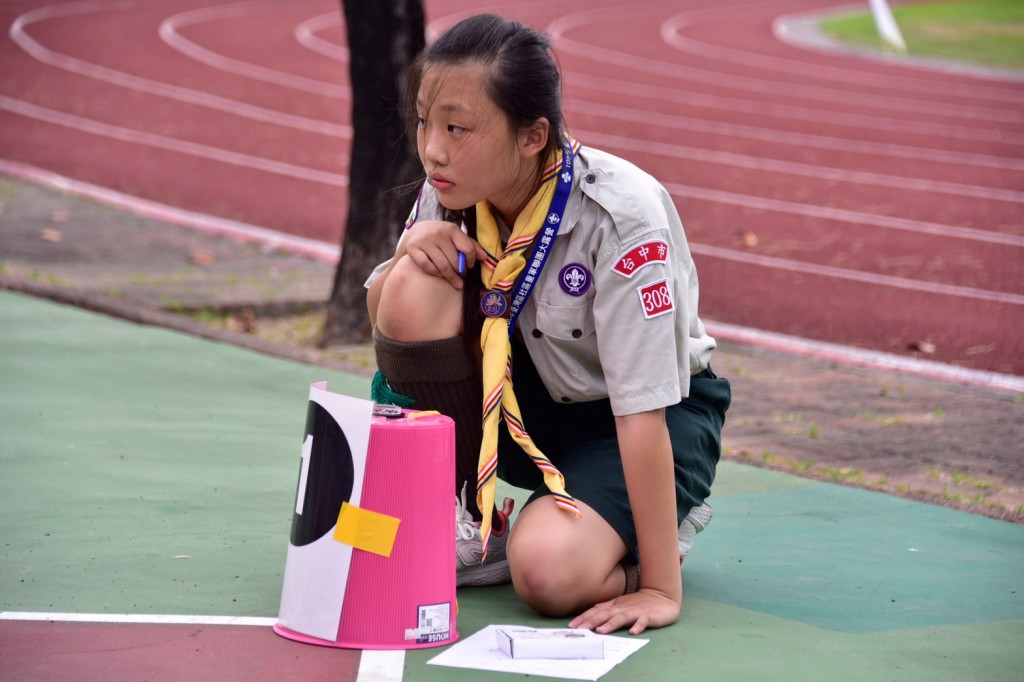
<point x="574" y="279"/>
<point x="554" y="219"/>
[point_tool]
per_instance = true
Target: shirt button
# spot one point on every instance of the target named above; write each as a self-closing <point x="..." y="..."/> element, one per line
<point x="537" y="333"/>
<point x="577" y="333"/>
<point x="591" y="178"/>
<point x="566" y="399"/>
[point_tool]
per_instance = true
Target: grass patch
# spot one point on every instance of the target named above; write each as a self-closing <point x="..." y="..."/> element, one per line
<point x="843" y="474"/>
<point x="987" y="32"/>
<point x="964" y="478"/>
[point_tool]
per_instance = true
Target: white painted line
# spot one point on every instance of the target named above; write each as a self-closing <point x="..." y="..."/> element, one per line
<point x="865" y="358"/>
<point x="797" y="139"/>
<point x="258" y="113"/>
<point x="801" y="30"/>
<point x="196" y="97"/>
<point x="671" y="34"/>
<point x="374" y="666"/>
<point x="732" y="104"/>
<point x="792" y="112"/>
<point x="381" y="666"/>
<point x="136" y="618"/>
<point x="807" y="170"/>
<point x="313" y="248"/>
<point x="870" y="278"/>
<point x="171" y="144"/>
<point x="677" y="71"/>
<point x="843" y="215"/>
<point x="170" y="35"/>
<point x="306" y="35"/>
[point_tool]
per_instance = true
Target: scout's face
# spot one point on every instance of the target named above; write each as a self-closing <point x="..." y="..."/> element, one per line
<point x="465" y="143"/>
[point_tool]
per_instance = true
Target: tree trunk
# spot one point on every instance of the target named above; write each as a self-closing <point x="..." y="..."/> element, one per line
<point x="383" y="38"/>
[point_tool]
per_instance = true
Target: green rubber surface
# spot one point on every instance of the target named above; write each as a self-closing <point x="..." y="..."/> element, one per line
<point x="145" y="471"/>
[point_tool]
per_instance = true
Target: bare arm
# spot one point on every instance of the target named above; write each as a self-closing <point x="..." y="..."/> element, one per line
<point x="650" y="481"/>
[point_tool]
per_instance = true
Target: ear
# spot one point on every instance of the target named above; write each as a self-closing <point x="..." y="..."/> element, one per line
<point x="534" y="139"/>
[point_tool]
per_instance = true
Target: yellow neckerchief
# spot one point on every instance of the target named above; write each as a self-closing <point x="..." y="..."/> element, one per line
<point x="499" y="272"/>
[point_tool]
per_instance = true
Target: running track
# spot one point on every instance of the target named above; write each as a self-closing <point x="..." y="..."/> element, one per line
<point x="825" y="196"/>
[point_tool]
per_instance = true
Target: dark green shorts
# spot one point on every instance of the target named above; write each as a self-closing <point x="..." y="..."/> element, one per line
<point x="579" y="439"/>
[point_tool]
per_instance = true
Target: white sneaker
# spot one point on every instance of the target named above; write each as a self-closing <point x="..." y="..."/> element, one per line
<point x="469" y="549"/>
<point x="696" y="521"/>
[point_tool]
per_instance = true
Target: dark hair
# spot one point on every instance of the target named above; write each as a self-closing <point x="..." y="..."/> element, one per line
<point x="522" y="78"/>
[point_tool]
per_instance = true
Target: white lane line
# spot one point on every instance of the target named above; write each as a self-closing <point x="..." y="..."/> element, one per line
<point x="732" y="104"/>
<point x="842" y="215"/>
<point x="860" y="276"/>
<point x="864" y="122"/>
<point x="238" y="108"/>
<point x="313" y="248"/>
<point x="169" y="33"/>
<point x="172" y="144"/>
<point x="45" y="55"/>
<point x="801" y="31"/>
<point x="677" y="71"/>
<point x="808" y="170"/>
<point x="248" y="161"/>
<point x="149" y="618"/>
<point x="848" y="355"/>
<point x="803" y="140"/>
<point x="374" y="666"/>
<point x="381" y="665"/>
<point x="671" y="33"/>
<point x="306" y="35"/>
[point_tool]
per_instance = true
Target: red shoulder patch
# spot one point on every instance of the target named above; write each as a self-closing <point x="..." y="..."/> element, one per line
<point x="640" y="256"/>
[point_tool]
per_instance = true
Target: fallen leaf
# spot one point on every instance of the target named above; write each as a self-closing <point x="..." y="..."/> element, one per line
<point x="203" y="257"/>
<point x="51" y="235"/>
<point x="244" y="321"/>
<point x="748" y="239"/>
<point x="925" y="347"/>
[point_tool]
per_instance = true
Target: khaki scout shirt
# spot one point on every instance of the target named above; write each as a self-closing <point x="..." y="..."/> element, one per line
<point x="614" y="312"/>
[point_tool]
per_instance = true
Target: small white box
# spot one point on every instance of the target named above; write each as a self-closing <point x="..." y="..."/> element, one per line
<point x="554" y="643"/>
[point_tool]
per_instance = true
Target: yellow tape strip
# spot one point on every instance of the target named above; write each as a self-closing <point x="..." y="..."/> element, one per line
<point x="366" y="530"/>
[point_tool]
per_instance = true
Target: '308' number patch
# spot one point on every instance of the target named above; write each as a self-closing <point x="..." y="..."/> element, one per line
<point x="655" y="298"/>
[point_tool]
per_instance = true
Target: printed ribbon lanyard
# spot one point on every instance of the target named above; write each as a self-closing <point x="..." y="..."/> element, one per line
<point x="546" y="237"/>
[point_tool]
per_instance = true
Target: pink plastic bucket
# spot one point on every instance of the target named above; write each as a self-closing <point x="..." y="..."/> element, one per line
<point x="405" y="600"/>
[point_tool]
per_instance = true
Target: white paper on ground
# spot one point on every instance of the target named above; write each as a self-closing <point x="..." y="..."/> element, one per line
<point x="480" y="652"/>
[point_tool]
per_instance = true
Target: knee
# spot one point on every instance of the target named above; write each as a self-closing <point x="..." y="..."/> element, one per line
<point x="415" y="306"/>
<point x="554" y="577"/>
<point x="543" y="583"/>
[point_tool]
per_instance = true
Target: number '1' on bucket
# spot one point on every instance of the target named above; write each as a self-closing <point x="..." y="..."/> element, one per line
<point x="371" y="557"/>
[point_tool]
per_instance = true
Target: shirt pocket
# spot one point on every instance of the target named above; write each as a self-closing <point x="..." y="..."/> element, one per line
<point x="574" y="322"/>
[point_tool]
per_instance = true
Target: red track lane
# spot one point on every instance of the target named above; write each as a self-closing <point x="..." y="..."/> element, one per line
<point x="171" y="653"/>
<point x="832" y="197"/>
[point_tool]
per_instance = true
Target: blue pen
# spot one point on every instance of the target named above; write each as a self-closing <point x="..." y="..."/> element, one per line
<point x="462" y="263"/>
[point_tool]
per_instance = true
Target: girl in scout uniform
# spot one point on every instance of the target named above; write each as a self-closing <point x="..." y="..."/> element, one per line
<point x="548" y="287"/>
